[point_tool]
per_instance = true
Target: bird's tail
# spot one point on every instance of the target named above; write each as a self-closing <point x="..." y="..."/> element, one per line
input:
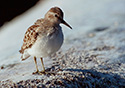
<point x="25" y="56"/>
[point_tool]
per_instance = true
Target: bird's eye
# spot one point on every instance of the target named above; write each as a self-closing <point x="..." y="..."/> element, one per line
<point x="55" y="15"/>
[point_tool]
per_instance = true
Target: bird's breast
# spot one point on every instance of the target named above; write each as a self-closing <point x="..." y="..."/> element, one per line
<point x="47" y="45"/>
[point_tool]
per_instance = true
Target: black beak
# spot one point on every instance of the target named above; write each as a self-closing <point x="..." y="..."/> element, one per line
<point x="64" y="22"/>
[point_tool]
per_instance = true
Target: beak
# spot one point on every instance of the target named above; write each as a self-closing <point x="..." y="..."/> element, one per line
<point x="63" y="22"/>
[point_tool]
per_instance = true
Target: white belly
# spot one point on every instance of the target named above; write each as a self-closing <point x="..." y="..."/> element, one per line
<point x="47" y="45"/>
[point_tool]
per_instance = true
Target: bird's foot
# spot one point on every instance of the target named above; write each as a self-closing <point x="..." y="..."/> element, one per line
<point x="39" y="72"/>
<point x="43" y="73"/>
<point x="35" y="72"/>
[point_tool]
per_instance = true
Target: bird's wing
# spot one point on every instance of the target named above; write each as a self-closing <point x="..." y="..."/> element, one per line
<point x="32" y="33"/>
<point x="30" y="37"/>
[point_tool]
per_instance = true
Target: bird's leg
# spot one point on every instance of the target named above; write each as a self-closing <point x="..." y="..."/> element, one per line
<point x="37" y="70"/>
<point x="42" y="65"/>
<point x="43" y="71"/>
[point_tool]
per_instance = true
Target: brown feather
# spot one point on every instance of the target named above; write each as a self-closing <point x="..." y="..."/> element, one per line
<point x="29" y="38"/>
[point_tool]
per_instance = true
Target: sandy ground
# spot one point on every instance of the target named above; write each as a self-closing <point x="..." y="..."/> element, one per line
<point x="93" y="54"/>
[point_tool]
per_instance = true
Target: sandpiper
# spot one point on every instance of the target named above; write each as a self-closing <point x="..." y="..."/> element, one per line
<point x="44" y="37"/>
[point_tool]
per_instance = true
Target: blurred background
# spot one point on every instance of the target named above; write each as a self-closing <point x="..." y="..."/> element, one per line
<point x="10" y="9"/>
<point x="85" y="16"/>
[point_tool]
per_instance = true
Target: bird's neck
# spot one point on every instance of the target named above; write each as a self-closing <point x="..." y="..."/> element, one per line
<point x="50" y="23"/>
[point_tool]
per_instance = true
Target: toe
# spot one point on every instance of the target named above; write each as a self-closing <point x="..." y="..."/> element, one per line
<point x="35" y="72"/>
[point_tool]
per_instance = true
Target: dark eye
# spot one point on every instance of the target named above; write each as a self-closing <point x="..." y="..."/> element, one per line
<point x="55" y="15"/>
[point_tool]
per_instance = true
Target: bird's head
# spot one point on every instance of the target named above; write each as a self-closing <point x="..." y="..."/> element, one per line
<point x="55" y="15"/>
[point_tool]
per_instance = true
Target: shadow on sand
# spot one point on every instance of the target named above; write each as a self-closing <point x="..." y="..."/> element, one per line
<point x="94" y="79"/>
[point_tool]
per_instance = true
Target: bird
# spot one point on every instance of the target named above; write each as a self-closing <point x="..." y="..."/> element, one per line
<point x="44" y="37"/>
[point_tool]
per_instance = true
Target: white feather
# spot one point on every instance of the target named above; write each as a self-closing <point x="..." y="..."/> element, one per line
<point x="47" y="45"/>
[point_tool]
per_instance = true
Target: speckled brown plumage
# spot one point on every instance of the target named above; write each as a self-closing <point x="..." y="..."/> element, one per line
<point x="39" y="21"/>
<point x="38" y="29"/>
<point x="30" y="37"/>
